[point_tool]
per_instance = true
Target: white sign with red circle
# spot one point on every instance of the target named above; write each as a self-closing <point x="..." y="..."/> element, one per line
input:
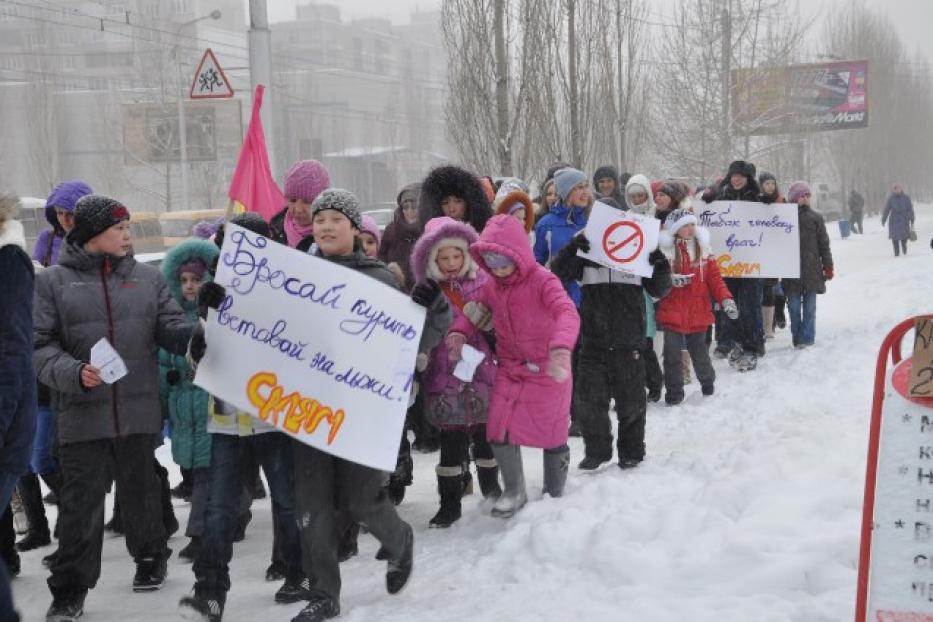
<point x="621" y="240"/>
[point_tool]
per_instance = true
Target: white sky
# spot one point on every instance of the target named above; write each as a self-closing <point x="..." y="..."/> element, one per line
<point x="912" y="18"/>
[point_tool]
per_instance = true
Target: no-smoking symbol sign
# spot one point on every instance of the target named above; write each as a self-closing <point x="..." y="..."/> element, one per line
<point x="623" y="241"/>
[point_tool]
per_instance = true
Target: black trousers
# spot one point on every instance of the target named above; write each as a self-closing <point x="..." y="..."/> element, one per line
<point x="898" y="245"/>
<point x="455" y="446"/>
<point x="856" y="221"/>
<point x="620" y="375"/>
<point x="653" y="377"/>
<point x="325" y="486"/>
<point x="673" y="361"/>
<point x="87" y="468"/>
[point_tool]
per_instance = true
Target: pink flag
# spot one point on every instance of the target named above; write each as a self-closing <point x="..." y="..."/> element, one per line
<point x="252" y="185"/>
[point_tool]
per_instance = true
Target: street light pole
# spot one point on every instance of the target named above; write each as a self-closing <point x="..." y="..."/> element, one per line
<point x="182" y="124"/>
<point x="260" y="68"/>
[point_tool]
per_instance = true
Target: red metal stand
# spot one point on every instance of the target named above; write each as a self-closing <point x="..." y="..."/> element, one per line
<point x="890" y="346"/>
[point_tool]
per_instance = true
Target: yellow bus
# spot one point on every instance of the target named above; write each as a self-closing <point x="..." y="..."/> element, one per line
<point x="177" y="226"/>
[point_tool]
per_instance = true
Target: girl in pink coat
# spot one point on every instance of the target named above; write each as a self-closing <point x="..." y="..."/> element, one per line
<point x="456" y="408"/>
<point x="536" y="326"/>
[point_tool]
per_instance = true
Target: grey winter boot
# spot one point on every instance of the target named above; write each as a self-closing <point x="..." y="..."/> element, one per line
<point x="767" y="320"/>
<point x="514" y="497"/>
<point x="556" y="464"/>
<point x="487" y="472"/>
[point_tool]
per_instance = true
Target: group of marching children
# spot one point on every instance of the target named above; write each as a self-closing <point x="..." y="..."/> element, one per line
<point x="525" y="343"/>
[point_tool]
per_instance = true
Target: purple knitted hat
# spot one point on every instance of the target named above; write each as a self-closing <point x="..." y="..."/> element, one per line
<point x="371" y="227"/>
<point x="305" y="180"/>
<point x="797" y="190"/>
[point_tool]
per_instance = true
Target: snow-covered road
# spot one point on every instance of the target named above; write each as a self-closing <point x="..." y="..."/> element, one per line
<point x="747" y="507"/>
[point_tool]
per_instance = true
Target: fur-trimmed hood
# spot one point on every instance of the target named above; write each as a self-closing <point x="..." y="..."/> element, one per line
<point x="505" y="203"/>
<point x="12" y="233"/>
<point x="504" y="235"/>
<point x="438" y="233"/>
<point x="445" y="181"/>
<point x="201" y="250"/>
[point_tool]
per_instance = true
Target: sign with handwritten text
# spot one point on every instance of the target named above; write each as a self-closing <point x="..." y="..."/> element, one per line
<point x="320" y="351"/>
<point x="900" y="585"/>
<point x="752" y="240"/>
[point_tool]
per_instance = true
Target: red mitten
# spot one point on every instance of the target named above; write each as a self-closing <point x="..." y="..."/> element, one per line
<point x="828" y="273"/>
<point x="455" y="343"/>
<point x="558" y="366"/>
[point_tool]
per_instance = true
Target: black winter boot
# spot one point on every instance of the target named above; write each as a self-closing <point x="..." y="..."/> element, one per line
<point x="38" y="535"/>
<point x="556" y="465"/>
<point x="320" y="607"/>
<point x="203" y="605"/>
<point x="67" y="605"/>
<point x="398" y="569"/>
<point x="151" y="572"/>
<point x="450" y="489"/>
<point x="184" y="489"/>
<point x="487" y="472"/>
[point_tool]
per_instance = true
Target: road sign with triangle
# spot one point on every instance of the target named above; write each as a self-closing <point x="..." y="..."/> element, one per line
<point x="209" y="79"/>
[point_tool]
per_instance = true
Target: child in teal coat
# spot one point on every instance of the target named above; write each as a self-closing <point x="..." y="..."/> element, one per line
<point x="185" y="267"/>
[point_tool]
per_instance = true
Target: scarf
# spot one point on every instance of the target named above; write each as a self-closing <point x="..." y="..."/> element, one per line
<point x="294" y="232"/>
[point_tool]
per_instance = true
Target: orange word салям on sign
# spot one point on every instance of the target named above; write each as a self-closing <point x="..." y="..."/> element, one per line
<point x="269" y="397"/>
<point x="736" y="270"/>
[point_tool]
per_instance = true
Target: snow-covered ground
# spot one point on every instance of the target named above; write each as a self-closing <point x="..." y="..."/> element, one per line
<point x="747" y="507"/>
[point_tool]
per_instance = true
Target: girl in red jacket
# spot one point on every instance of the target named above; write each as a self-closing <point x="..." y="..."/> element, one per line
<point x="685" y="313"/>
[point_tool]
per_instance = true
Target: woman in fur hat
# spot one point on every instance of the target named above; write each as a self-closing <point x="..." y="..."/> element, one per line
<point x="455" y="407"/>
<point x="456" y="193"/>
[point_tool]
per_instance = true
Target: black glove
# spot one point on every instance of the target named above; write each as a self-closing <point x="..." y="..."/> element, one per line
<point x="173" y="376"/>
<point x="579" y="241"/>
<point x="656" y="257"/>
<point x="198" y="344"/>
<point x="210" y="296"/>
<point x="767" y="199"/>
<point x="426" y="293"/>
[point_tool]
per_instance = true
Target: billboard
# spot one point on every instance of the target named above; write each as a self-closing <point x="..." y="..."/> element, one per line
<point x="801" y="98"/>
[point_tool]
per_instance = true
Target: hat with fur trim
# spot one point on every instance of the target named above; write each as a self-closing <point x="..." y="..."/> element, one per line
<point x="511" y="202"/>
<point x="439" y="233"/>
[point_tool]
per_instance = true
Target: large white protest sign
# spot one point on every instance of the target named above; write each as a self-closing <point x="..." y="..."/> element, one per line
<point x="321" y="352"/>
<point x="752" y="240"/>
<point x="621" y="240"/>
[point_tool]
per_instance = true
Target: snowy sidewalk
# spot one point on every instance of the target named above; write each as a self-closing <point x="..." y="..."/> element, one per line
<point x="747" y="507"/>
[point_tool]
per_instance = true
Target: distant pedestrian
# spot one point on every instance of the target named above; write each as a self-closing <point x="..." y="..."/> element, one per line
<point x="856" y="211"/>
<point x="899" y="215"/>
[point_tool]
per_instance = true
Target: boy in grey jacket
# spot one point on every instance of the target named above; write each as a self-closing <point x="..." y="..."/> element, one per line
<point x="98" y="291"/>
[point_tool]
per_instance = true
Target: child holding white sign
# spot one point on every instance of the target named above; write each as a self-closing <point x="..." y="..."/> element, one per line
<point x="530" y="402"/>
<point x="321" y="478"/>
<point x="457" y="408"/>
<point x="685" y="313"/>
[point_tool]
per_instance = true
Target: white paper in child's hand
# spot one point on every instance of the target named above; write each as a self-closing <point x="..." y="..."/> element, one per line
<point x="108" y="361"/>
<point x="470" y="358"/>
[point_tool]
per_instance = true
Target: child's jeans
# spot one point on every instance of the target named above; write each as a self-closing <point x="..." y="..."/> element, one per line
<point x="673" y="361"/>
<point x="802" y="308"/>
